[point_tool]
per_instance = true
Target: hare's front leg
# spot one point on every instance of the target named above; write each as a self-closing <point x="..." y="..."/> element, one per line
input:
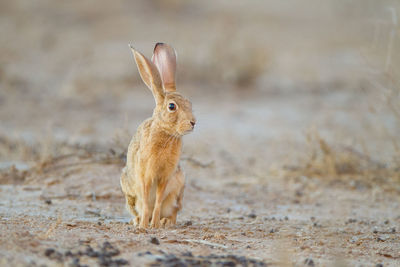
<point x="155" y="220"/>
<point x="144" y="220"/>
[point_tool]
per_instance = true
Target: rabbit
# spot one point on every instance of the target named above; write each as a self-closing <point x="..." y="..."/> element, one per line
<point x="152" y="180"/>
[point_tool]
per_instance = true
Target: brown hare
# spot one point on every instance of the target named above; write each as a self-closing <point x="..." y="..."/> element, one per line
<point x="152" y="180"/>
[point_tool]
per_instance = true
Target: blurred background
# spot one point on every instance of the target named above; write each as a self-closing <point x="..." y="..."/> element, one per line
<point x="296" y="146"/>
<point x="261" y="75"/>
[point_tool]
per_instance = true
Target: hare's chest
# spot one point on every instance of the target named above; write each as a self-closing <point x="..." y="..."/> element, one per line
<point x="157" y="159"/>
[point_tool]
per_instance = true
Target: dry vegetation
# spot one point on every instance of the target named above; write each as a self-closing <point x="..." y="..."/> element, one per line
<point x="346" y="164"/>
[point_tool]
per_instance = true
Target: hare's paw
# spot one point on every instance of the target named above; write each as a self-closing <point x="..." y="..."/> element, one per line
<point x="155" y="224"/>
<point x="166" y="222"/>
<point x="143" y="224"/>
<point x="135" y="221"/>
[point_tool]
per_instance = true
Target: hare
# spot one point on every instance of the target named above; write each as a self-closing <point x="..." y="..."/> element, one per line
<point x="152" y="180"/>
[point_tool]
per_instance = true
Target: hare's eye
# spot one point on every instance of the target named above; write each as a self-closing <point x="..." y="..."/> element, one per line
<point x="171" y="106"/>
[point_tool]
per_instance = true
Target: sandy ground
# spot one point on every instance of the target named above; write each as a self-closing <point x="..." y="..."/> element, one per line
<point x="275" y="220"/>
<point x="292" y="162"/>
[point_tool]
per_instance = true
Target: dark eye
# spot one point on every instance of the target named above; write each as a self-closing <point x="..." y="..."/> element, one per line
<point x="171" y="106"/>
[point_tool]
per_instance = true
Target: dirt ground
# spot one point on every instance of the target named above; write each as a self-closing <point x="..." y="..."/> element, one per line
<point x="294" y="160"/>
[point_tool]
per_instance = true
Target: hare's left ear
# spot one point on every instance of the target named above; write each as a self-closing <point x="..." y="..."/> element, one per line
<point x="150" y="75"/>
<point x="164" y="57"/>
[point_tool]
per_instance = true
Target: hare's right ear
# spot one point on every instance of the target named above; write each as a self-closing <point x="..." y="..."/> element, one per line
<point x="164" y="57"/>
<point x="150" y="75"/>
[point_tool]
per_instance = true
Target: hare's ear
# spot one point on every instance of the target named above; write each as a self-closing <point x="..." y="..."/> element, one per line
<point x="150" y="75"/>
<point x="164" y="57"/>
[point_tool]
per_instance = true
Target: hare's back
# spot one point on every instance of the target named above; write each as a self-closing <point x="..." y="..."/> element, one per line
<point x="143" y="130"/>
<point x="134" y="145"/>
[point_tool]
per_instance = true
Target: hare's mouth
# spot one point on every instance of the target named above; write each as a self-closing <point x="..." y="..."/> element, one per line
<point x="187" y="131"/>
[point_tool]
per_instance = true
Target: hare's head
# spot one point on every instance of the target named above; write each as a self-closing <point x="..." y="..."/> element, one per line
<point x="173" y="112"/>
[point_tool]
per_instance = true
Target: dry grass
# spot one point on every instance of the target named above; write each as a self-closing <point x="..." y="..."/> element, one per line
<point x="335" y="162"/>
<point x="26" y="160"/>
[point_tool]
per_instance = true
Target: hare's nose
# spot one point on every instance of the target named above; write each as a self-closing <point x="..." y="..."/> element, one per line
<point x="193" y="123"/>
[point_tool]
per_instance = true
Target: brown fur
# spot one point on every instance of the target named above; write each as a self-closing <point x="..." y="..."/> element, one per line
<point x="152" y="180"/>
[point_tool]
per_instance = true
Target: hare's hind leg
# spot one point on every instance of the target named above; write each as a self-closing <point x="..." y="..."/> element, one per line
<point x="131" y="207"/>
<point x="181" y="180"/>
<point x="129" y="197"/>
<point x="173" y="203"/>
<point x="171" y="220"/>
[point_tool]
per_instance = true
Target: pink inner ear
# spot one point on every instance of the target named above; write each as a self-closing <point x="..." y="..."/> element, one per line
<point x="165" y="59"/>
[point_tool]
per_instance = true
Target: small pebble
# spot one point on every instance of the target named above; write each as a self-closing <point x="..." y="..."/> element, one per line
<point x="154" y="241"/>
<point x="381" y="239"/>
<point x="91" y="253"/>
<point x="141" y="254"/>
<point x="386" y="222"/>
<point x="286" y="218"/>
<point x="354" y="239"/>
<point x="48" y="252"/>
<point x="252" y="215"/>
<point x="309" y="262"/>
<point x="75" y="262"/>
<point x="187" y="254"/>
<point x="121" y="262"/>
<point x="48" y="201"/>
<point x="393" y="230"/>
